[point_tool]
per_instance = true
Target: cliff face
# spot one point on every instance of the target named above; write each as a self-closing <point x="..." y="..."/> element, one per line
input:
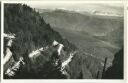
<point x="116" y="70"/>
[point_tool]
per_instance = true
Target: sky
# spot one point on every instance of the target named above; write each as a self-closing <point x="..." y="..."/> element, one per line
<point x="71" y="4"/>
<point x="80" y="6"/>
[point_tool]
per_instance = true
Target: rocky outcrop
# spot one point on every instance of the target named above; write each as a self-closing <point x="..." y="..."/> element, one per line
<point x="116" y="70"/>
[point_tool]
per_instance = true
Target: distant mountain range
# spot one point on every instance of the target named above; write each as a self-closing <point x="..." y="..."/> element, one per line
<point x="99" y="26"/>
<point x="108" y="12"/>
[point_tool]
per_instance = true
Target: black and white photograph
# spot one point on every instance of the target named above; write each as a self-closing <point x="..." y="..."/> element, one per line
<point x="63" y="40"/>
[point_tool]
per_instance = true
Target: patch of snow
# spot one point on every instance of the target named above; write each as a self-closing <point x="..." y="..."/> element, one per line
<point x="11" y="71"/>
<point x="55" y="43"/>
<point x="64" y="72"/>
<point x="67" y="61"/>
<point x="17" y="65"/>
<point x="33" y="53"/>
<point x="37" y="52"/>
<point x="7" y="56"/>
<point x="56" y="63"/>
<point x="9" y="43"/>
<point x="11" y="36"/>
<point x="60" y="48"/>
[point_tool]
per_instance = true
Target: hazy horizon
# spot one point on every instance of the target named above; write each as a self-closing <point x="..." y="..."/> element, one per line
<point x="89" y="7"/>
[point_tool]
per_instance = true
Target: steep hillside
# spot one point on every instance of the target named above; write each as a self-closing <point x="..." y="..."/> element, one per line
<point x="117" y="68"/>
<point x="100" y="36"/>
<point x="94" y="25"/>
<point x="29" y="27"/>
<point x="115" y="37"/>
<point x="25" y="31"/>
